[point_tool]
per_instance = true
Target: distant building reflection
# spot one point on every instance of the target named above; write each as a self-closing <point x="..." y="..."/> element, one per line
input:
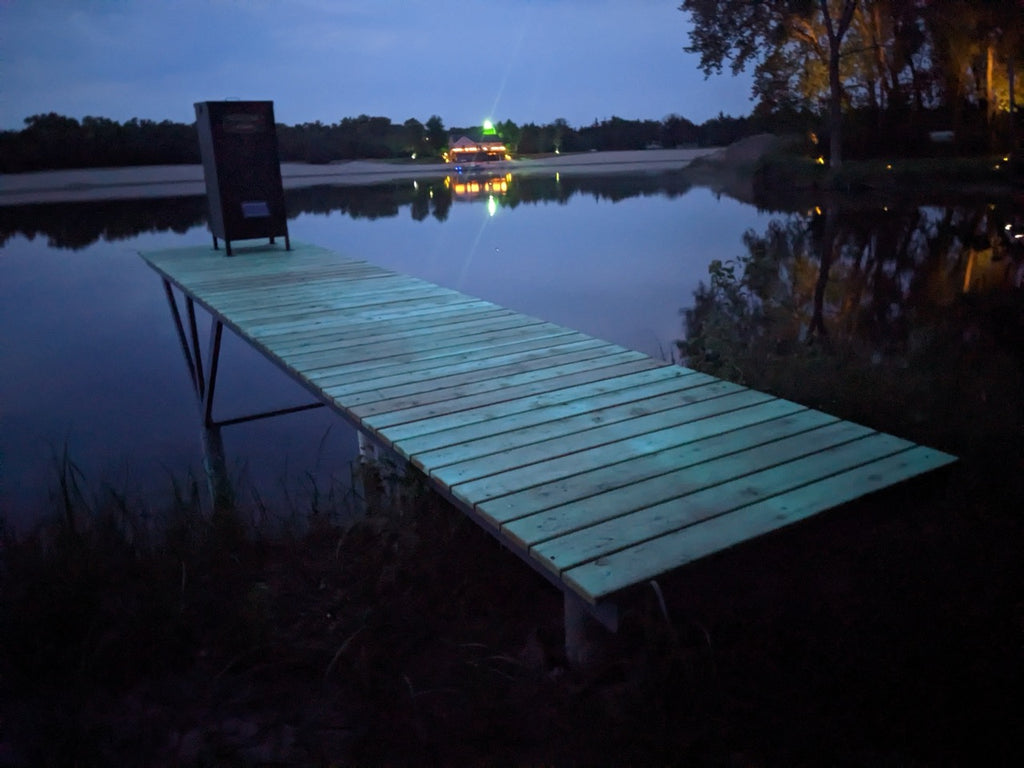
<point x="472" y="186"/>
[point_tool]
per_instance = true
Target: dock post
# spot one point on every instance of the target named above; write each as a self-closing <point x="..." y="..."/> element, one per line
<point x="581" y="627"/>
<point x="218" y="481"/>
<point x="215" y="466"/>
<point x="367" y="480"/>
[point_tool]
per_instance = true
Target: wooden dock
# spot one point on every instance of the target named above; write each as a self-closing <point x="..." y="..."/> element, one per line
<point x="600" y="466"/>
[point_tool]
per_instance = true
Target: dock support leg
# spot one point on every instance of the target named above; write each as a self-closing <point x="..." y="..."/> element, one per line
<point x="368" y="479"/>
<point x="582" y="633"/>
<point x="216" y="467"/>
<point x="203" y="385"/>
<point x="214" y="462"/>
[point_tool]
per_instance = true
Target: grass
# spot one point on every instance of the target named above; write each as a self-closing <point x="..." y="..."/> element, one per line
<point x="887" y="633"/>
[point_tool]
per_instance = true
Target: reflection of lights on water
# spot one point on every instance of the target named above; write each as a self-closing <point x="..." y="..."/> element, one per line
<point x="492" y="205"/>
<point x="817" y="209"/>
<point x="415" y="184"/>
<point x="474" y="187"/>
<point x="431" y="194"/>
<point x="558" y="176"/>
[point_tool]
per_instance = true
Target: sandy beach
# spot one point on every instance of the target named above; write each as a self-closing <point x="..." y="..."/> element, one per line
<point x="179" y="180"/>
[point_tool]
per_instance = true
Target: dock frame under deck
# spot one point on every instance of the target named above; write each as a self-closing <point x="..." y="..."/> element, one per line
<point x="598" y="466"/>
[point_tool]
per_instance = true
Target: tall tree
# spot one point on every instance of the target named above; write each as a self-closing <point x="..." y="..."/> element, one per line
<point x="837" y="29"/>
<point x="771" y="34"/>
<point x="436" y="134"/>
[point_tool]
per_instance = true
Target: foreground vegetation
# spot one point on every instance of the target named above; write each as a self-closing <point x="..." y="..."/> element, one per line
<point x="884" y="633"/>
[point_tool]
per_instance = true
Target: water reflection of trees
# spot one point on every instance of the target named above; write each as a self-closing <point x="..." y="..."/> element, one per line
<point x="77" y="225"/>
<point x="908" y="318"/>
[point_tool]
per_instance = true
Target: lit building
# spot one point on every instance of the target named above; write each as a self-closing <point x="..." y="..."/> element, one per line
<point x="475" y="146"/>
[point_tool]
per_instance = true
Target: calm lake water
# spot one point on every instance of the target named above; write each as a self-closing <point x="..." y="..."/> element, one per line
<point x="917" y="296"/>
<point x="92" y="363"/>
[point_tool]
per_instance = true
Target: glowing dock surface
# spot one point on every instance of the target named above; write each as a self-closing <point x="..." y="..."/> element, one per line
<point x="600" y="466"/>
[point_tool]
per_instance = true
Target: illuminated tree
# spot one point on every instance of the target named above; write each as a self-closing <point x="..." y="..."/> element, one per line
<point x="977" y="50"/>
<point x="788" y="41"/>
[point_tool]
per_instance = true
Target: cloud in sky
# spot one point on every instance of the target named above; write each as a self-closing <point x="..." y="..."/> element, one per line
<point x="524" y="60"/>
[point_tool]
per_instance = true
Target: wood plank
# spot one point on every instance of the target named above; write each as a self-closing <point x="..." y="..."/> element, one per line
<point x="613" y="572"/>
<point x="227" y="289"/>
<point x="696" y="499"/>
<point x="473" y="323"/>
<point x="400" y="369"/>
<point x="251" y="303"/>
<point x="379" y="312"/>
<point x="298" y="314"/>
<point x="525" y="373"/>
<point x="526" y="512"/>
<point x="289" y="279"/>
<point x="511" y="398"/>
<point x="490" y="486"/>
<point x="571" y="453"/>
<point x="554" y="419"/>
<point x="438" y="351"/>
<point x="470" y="402"/>
<point x="376" y="395"/>
<point x="254" y="305"/>
<point x="348" y="324"/>
<point x="615" y="380"/>
<point x="547" y="423"/>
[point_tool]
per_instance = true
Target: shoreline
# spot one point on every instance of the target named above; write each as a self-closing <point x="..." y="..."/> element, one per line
<point x="89" y="184"/>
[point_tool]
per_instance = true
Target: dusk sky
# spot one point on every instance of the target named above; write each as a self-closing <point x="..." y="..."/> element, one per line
<point x="465" y="60"/>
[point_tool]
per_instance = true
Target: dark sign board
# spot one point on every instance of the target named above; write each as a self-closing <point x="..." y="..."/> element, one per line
<point x="238" y="144"/>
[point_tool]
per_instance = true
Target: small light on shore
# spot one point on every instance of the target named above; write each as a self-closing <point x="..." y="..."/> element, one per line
<point x="888" y="167"/>
<point x="820" y="160"/>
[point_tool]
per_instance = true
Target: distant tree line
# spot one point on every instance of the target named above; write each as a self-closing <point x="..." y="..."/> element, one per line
<point x="54" y="141"/>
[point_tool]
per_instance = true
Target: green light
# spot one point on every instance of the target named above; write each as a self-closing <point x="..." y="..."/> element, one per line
<point x="489" y="128"/>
